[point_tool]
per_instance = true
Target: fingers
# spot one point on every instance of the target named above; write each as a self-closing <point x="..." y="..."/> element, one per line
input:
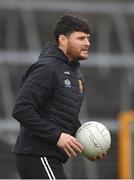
<point x="78" y="146"/>
<point x="100" y="157"/>
<point x="69" y="144"/>
<point x="92" y="158"/>
<point x="67" y="152"/>
<point x="70" y="151"/>
<point x="73" y="148"/>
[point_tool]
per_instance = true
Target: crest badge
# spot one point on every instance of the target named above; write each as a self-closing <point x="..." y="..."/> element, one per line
<point x="80" y="86"/>
<point x="67" y="83"/>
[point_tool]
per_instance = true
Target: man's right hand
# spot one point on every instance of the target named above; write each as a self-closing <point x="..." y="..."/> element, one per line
<point x="69" y="144"/>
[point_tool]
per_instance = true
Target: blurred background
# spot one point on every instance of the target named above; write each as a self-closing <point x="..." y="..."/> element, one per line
<point x="25" y="26"/>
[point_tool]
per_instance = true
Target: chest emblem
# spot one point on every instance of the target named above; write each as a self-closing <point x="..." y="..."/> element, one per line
<point x="80" y="86"/>
<point x="66" y="72"/>
<point x="67" y="83"/>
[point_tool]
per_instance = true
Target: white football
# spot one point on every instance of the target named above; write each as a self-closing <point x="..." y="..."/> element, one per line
<point x="94" y="137"/>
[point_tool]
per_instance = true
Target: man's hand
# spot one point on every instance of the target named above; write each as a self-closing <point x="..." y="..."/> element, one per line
<point x="69" y="144"/>
<point x="100" y="157"/>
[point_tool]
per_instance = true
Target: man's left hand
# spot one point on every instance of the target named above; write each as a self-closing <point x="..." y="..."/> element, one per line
<point x="100" y="157"/>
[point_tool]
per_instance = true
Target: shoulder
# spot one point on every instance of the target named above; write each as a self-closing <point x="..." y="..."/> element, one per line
<point x="38" y="70"/>
<point x="54" y="64"/>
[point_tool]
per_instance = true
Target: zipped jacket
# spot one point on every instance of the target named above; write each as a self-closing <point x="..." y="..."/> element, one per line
<point x="48" y="104"/>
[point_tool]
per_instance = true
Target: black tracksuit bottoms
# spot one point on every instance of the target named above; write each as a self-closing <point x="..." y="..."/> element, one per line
<point x="35" y="167"/>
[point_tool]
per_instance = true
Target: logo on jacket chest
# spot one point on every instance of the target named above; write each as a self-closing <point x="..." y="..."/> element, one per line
<point x="67" y="83"/>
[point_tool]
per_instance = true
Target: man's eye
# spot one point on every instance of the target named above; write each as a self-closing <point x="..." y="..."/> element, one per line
<point x="88" y="37"/>
<point x="81" y="38"/>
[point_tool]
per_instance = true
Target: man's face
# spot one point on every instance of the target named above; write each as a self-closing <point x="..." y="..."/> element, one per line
<point x="77" y="46"/>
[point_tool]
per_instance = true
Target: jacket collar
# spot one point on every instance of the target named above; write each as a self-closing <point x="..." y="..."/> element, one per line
<point x="51" y="50"/>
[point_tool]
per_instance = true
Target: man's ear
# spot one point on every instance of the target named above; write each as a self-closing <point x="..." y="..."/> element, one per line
<point x="63" y="40"/>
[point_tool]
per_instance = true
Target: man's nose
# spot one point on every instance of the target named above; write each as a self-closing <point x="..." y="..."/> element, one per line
<point x="87" y="42"/>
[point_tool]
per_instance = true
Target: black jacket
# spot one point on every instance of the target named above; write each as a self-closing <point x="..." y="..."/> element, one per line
<point x="48" y="103"/>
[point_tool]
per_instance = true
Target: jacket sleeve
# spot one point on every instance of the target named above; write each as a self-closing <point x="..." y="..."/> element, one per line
<point x="77" y="125"/>
<point x="33" y="93"/>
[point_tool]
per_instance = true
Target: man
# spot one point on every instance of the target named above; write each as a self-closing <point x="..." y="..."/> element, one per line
<point x="49" y="101"/>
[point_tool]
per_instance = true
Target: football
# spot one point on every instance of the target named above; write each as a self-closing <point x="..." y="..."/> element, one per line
<point x="94" y="137"/>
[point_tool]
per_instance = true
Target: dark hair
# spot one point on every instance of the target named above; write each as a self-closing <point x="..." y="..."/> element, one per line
<point x="67" y="24"/>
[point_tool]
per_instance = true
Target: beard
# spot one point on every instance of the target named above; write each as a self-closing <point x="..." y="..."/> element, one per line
<point x="75" y="54"/>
